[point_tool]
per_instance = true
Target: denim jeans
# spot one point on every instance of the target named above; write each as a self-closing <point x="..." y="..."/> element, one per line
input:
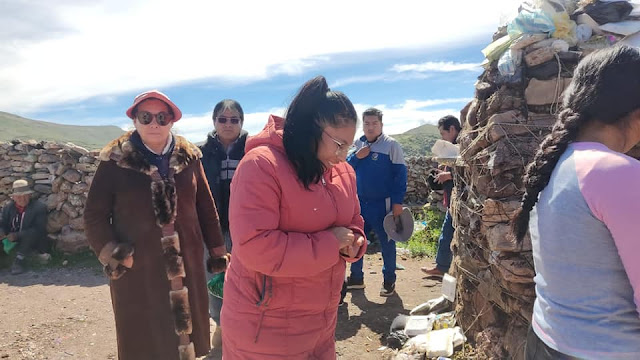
<point x="215" y="303"/>
<point x="444" y="255"/>
<point x="373" y="212"/>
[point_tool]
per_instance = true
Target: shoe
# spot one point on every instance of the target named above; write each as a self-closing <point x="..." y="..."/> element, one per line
<point x="435" y="272"/>
<point x="388" y="289"/>
<point x="400" y="266"/>
<point x="18" y="267"/>
<point x="43" y="258"/>
<point x="355" y="284"/>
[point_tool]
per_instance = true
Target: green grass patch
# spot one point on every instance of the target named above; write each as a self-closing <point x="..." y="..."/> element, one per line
<point x="424" y="241"/>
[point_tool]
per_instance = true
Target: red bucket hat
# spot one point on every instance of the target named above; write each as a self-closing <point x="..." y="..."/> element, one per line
<point x="155" y="94"/>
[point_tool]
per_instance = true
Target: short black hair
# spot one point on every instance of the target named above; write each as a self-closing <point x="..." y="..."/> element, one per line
<point x="313" y="108"/>
<point x="372" y="112"/>
<point x="447" y="121"/>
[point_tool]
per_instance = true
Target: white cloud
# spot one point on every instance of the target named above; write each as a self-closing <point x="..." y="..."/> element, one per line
<point x="401" y="72"/>
<point x="385" y="77"/>
<point x="86" y="49"/>
<point x="442" y="66"/>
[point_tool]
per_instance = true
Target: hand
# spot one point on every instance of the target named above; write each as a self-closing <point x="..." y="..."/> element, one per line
<point x="363" y="152"/>
<point x="13" y="237"/>
<point x="345" y="236"/>
<point x="128" y="262"/>
<point x="443" y="177"/>
<point x="352" y="251"/>
<point x="397" y="210"/>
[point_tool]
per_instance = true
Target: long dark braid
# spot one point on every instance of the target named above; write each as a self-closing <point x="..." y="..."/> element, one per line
<point x="539" y="171"/>
<point x="604" y="88"/>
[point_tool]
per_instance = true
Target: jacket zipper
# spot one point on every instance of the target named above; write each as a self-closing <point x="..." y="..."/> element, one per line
<point x="262" y="304"/>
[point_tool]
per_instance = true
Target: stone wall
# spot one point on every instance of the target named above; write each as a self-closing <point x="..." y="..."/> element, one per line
<point x="418" y="169"/>
<point x="60" y="174"/>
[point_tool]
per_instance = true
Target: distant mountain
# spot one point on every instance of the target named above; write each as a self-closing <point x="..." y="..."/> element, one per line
<point x="418" y="141"/>
<point x="90" y="137"/>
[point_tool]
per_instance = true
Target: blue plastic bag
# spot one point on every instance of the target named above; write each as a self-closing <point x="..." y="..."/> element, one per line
<point x="530" y="21"/>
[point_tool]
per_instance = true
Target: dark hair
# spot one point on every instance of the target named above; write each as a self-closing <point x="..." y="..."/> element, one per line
<point x="605" y="88"/>
<point x="314" y="107"/>
<point x="446" y="122"/>
<point x="372" y="112"/>
<point x="227" y="104"/>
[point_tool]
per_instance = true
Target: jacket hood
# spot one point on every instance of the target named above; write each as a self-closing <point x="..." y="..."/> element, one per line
<point x="271" y="135"/>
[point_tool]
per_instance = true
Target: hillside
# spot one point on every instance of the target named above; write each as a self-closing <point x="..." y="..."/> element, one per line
<point x="418" y="141"/>
<point x="90" y="137"/>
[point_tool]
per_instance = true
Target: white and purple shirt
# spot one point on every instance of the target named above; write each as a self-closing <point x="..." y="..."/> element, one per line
<point x="585" y="232"/>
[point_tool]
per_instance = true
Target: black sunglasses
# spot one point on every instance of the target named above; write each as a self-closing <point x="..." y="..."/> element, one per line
<point x="162" y="118"/>
<point x="223" y="120"/>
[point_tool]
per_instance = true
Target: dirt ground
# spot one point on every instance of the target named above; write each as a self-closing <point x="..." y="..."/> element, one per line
<point x="65" y="313"/>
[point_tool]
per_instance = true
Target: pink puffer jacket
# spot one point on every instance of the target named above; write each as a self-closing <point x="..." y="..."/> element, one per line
<point x="283" y="285"/>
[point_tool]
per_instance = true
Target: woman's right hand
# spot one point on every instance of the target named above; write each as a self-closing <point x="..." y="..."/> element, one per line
<point x="344" y="235"/>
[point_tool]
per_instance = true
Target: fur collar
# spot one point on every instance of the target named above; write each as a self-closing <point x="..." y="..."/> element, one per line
<point x="125" y="154"/>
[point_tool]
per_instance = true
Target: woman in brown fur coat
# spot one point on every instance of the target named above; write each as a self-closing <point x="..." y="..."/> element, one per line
<point x="148" y="212"/>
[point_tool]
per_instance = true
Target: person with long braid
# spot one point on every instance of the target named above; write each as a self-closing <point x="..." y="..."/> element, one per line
<point x="581" y="206"/>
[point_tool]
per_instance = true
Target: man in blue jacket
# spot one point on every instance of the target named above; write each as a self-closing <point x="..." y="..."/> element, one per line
<point x="381" y="176"/>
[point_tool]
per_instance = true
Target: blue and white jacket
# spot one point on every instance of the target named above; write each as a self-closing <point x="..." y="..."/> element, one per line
<point x="383" y="173"/>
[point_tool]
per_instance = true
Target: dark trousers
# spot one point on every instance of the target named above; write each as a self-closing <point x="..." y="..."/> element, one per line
<point x="444" y="255"/>
<point x="29" y="244"/>
<point x="536" y="349"/>
<point x="373" y="213"/>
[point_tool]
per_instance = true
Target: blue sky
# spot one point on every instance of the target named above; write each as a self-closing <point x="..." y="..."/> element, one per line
<point x="79" y="63"/>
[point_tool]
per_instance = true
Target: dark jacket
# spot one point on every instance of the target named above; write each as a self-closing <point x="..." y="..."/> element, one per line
<point x="130" y="203"/>
<point x="219" y="168"/>
<point x="34" y="223"/>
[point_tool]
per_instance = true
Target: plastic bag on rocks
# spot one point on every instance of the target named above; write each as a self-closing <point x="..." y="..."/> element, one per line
<point x="494" y="50"/>
<point x="605" y="12"/>
<point x="509" y="62"/>
<point x="530" y="21"/>
<point x="436" y="305"/>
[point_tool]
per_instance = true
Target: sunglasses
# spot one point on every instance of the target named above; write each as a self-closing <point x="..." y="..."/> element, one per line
<point x="223" y="120"/>
<point x="162" y="118"/>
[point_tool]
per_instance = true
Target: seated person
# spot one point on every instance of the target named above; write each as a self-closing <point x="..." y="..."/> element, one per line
<point x="24" y="221"/>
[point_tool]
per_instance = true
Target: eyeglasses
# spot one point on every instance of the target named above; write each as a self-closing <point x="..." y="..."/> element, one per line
<point x="343" y="148"/>
<point x="223" y="120"/>
<point x="162" y="118"/>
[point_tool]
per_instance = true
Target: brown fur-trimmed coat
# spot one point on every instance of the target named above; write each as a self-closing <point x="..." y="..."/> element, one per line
<point x="124" y="214"/>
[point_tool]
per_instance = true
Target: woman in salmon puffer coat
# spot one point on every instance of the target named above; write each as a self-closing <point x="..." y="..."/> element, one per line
<point x="295" y="222"/>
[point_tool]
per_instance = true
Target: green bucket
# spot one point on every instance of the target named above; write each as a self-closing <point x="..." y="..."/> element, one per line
<point x="7" y="245"/>
<point x="216" y="284"/>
